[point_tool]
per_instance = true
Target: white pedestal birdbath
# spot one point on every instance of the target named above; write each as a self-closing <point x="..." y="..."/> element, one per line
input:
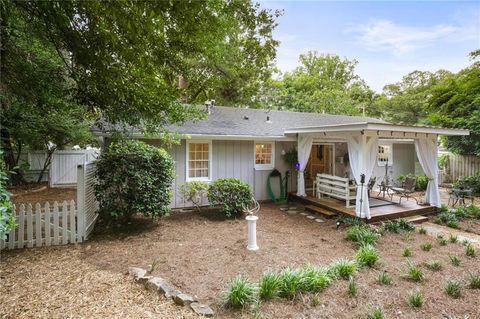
<point x="252" y="225"/>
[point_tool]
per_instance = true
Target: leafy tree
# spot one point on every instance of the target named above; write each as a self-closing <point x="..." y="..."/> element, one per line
<point x="324" y="84"/>
<point x="7" y="220"/>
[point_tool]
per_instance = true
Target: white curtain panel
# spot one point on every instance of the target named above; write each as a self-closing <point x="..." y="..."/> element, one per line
<point x="362" y="153"/>
<point x="427" y="156"/>
<point x="304" y="148"/>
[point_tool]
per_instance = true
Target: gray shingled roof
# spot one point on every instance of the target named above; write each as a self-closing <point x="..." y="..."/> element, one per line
<point x="253" y="122"/>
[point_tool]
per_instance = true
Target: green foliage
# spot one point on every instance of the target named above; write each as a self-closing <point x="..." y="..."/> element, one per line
<point x="291" y="283"/>
<point x="315" y="301"/>
<point x="291" y="157"/>
<point x="231" y="194"/>
<point x="441" y="240"/>
<point x="434" y="265"/>
<point x="415" y="299"/>
<point x="269" y="285"/>
<point x="367" y="255"/>
<point x="384" y="278"/>
<point x="426" y="246"/>
<point x="422" y="231"/>
<point x="413" y="272"/>
<point x="240" y="293"/>
<point x="470" y="251"/>
<point x="194" y="192"/>
<point x="343" y="268"/>
<point x="7" y="220"/>
<point x="362" y="235"/>
<point x="422" y="183"/>
<point x="447" y="218"/>
<point x="133" y="177"/>
<point x="315" y="279"/>
<point x="352" y="287"/>
<point x="397" y="225"/>
<point x="453" y="288"/>
<point x="407" y="252"/>
<point x="453" y="238"/>
<point x="377" y="313"/>
<point x="455" y="260"/>
<point x="474" y="280"/>
<point x="350" y="220"/>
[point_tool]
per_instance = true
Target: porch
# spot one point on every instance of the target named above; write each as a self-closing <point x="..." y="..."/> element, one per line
<point x="330" y="207"/>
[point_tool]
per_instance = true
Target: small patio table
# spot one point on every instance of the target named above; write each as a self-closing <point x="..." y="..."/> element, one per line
<point x="385" y="190"/>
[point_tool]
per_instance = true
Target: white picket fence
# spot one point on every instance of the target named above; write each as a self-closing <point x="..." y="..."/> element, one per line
<point x="57" y="223"/>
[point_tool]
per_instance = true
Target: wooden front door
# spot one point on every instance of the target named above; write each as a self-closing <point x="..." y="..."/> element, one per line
<point x="320" y="161"/>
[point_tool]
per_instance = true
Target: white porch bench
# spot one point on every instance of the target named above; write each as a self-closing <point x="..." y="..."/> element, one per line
<point x="334" y="186"/>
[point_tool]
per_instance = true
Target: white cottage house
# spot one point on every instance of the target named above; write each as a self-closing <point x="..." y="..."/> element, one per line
<point x="249" y="143"/>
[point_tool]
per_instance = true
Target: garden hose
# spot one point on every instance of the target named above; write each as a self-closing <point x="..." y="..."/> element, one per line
<point x="275" y="173"/>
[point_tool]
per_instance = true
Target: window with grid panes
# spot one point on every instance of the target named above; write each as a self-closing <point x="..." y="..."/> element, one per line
<point x="198" y="160"/>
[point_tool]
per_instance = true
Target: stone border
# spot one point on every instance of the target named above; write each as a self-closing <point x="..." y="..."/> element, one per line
<point x="165" y="288"/>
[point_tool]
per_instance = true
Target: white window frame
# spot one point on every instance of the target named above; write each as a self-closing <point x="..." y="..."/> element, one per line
<point x="187" y="159"/>
<point x="263" y="167"/>
<point x="390" y="157"/>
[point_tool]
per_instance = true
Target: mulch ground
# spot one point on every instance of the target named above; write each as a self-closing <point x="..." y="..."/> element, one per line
<point x="200" y="253"/>
<point x="40" y="193"/>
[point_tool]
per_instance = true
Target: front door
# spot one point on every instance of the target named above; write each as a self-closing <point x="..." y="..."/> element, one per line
<point x="320" y="161"/>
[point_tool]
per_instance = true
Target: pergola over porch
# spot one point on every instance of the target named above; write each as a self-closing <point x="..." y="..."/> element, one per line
<point x="362" y="141"/>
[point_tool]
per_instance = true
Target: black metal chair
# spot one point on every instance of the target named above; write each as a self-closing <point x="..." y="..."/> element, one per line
<point x="407" y="190"/>
<point x="371" y="184"/>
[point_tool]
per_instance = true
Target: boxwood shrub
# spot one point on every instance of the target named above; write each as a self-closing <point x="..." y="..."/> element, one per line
<point x="134" y="177"/>
<point x="231" y="194"/>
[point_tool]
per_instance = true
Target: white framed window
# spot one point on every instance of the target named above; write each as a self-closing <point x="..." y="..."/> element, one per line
<point x="264" y="155"/>
<point x="199" y="160"/>
<point x="385" y="155"/>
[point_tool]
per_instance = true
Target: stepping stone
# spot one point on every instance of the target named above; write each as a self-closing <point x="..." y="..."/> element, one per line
<point x="183" y="299"/>
<point x="283" y="208"/>
<point x="303" y="214"/>
<point x="202" y="309"/>
<point x="292" y="207"/>
<point x="311" y="217"/>
<point x="318" y="220"/>
<point x="292" y="211"/>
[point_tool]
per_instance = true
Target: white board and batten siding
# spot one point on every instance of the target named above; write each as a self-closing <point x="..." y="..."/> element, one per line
<point x="56" y="223"/>
<point x="230" y="158"/>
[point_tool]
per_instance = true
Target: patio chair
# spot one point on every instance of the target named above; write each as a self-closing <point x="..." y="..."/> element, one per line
<point x="407" y="190"/>
<point x="371" y="184"/>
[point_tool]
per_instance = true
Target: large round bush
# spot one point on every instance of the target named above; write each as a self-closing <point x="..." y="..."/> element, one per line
<point x="231" y="194"/>
<point x="134" y="177"/>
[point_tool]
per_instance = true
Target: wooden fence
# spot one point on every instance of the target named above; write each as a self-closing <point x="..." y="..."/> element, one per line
<point x="458" y="166"/>
<point x="57" y="223"/>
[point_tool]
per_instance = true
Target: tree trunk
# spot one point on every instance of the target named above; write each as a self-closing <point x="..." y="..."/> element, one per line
<point x="46" y="164"/>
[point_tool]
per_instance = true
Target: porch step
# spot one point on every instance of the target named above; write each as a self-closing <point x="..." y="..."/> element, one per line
<point x="318" y="210"/>
<point x="417" y="219"/>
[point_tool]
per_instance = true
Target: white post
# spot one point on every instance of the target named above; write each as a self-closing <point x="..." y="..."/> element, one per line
<point x="252" y="232"/>
<point x="81" y="202"/>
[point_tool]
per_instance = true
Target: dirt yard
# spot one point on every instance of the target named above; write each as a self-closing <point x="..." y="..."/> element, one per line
<point x="40" y="193"/>
<point x="201" y="253"/>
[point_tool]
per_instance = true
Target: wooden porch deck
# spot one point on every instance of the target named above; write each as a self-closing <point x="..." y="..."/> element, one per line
<point x="405" y="209"/>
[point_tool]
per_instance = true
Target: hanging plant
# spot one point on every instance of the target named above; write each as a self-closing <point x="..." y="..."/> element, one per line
<point x="291" y="158"/>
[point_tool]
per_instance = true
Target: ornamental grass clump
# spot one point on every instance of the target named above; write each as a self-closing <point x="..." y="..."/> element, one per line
<point x="415" y="299"/>
<point x="291" y="283"/>
<point x="362" y="235"/>
<point x="314" y="278"/>
<point x="343" y="268"/>
<point x="474" y="280"/>
<point x="453" y="288"/>
<point x="426" y="246"/>
<point x="453" y="238"/>
<point x="268" y="287"/>
<point x="470" y="250"/>
<point x="434" y="265"/>
<point x="455" y="260"/>
<point x="352" y="287"/>
<point x="407" y="252"/>
<point x="367" y="255"/>
<point x="377" y="313"/>
<point x="384" y="279"/>
<point x="413" y="273"/>
<point x="422" y="231"/>
<point x="240" y="292"/>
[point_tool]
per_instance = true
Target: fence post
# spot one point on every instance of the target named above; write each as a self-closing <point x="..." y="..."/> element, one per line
<point x="81" y="202"/>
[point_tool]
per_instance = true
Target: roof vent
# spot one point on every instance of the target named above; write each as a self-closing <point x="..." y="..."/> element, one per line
<point x="268" y="119"/>
<point x="245" y="117"/>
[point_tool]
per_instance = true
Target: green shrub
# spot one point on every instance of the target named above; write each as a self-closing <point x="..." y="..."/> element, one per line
<point x="7" y="220"/>
<point x="314" y="279"/>
<point x="414" y="273"/>
<point x="426" y="246"/>
<point x="395" y="226"/>
<point x="392" y="226"/>
<point x="291" y="283"/>
<point x="377" y="313"/>
<point x="343" y="268"/>
<point x="474" y="281"/>
<point x="415" y="299"/>
<point x="240" y="292"/>
<point x="447" y="218"/>
<point x="194" y="192"/>
<point x="422" y="183"/>
<point x="473" y="211"/>
<point x="134" y="177"/>
<point x="384" y="278"/>
<point x="352" y="287"/>
<point x="269" y="285"/>
<point x="434" y="265"/>
<point x="453" y="288"/>
<point x="470" y="250"/>
<point x="452" y="224"/>
<point x="231" y="194"/>
<point x="367" y="255"/>
<point x="362" y="235"/>
<point x="455" y="260"/>
<point x="469" y="182"/>
<point x="407" y="252"/>
<point x="350" y="220"/>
